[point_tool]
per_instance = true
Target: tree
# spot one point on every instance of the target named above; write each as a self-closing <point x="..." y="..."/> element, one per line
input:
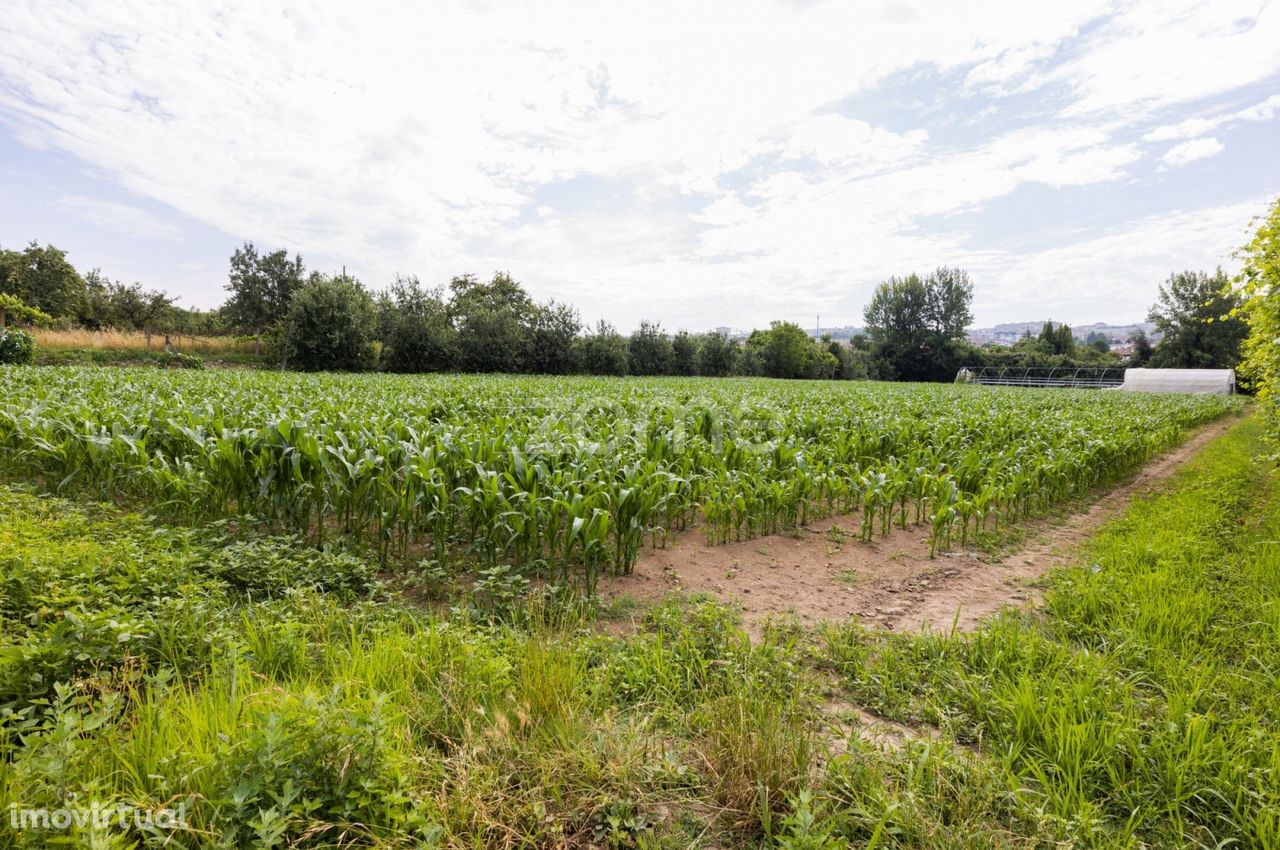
<point x="553" y="329"/>
<point x="1142" y="349"/>
<point x="330" y="325"/>
<point x="602" y="352"/>
<point x="1260" y="291"/>
<point x="650" y="350"/>
<point x="1198" y="315"/>
<point x="261" y="287"/>
<point x="493" y="320"/>
<point x="415" y="329"/>
<point x="717" y="355"/>
<point x="784" y="351"/>
<point x="43" y="279"/>
<point x="1057" y="339"/>
<point x="916" y="324"/>
<point x="684" y="354"/>
<point x="12" y="309"/>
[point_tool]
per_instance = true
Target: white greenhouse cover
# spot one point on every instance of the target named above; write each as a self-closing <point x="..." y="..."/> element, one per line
<point x="1201" y="381"/>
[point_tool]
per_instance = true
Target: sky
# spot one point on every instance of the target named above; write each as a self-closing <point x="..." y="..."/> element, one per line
<point x="698" y="164"/>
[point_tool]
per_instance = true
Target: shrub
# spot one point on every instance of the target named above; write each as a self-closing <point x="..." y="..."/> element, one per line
<point x="331" y="326"/>
<point x="177" y="360"/>
<point x="17" y="347"/>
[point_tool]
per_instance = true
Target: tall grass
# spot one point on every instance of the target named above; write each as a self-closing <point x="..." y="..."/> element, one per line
<point x="1139" y="707"/>
<point x="124" y="341"/>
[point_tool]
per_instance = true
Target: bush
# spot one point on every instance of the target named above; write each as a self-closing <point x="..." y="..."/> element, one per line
<point x="331" y="326"/>
<point x="177" y="360"/>
<point x="17" y="347"/>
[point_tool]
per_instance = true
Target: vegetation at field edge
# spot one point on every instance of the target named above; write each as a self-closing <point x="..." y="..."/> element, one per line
<point x="566" y="479"/>
<point x="284" y="698"/>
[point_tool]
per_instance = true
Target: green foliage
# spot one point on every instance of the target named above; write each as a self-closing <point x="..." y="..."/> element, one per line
<point x="1136" y="710"/>
<point x="649" y="350"/>
<point x="84" y="594"/>
<point x="112" y="304"/>
<point x="331" y="326"/>
<point x="43" y="279"/>
<point x="12" y="309"/>
<point x="552" y="332"/>
<point x="569" y="478"/>
<point x="493" y="321"/>
<point x="16" y="347"/>
<point x="1197" y="313"/>
<point x="417" y="335"/>
<point x="1260" y="291"/>
<point x="717" y="355"/>
<point x="274" y="689"/>
<point x="917" y="325"/>
<point x="1143" y="350"/>
<point x="684" y="354"/>
<point x="262" y="288"/>
<point x="177" y="360"/>
<point x="602" y="352"/>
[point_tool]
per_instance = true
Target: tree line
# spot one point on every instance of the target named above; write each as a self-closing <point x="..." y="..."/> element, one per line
<point x="311" y="320"/>
<point x="318" y="321"/>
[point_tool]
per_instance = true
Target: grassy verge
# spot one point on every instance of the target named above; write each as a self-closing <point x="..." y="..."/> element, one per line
<point x="70" y="356"/>
<point x="1139" y="708"/>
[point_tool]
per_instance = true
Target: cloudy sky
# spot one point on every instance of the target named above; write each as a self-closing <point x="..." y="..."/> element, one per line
<point x="702" y="164"/>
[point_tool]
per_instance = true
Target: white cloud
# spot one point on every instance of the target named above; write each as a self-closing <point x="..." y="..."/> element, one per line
<point x="122" y="218"/>
<point x="835" y="139"/>
<point x="457" y="136"/>
<point x="1152" y="55"/>
<point x="1192" y="127"/>
<point x="1112" y="276"/>
<point x="1191" y="151"/>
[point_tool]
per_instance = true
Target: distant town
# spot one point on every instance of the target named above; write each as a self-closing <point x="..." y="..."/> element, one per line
<point x="1119" y="337"/>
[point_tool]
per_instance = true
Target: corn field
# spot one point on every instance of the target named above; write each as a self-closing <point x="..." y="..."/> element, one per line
<point x="571" y="477"/>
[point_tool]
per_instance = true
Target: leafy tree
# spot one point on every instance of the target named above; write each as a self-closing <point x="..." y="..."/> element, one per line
<point x="684" y="354"/>
<point x="493" y="320"/>
<point x="330" y="325"/>
<point x="415" y="328"/>
<point x="785" y="350"/>
<point x="650" y="350"/>
<point x="129" y="308"/>
<point x="1198" y="315"/>
<point x="43" y="279"/>
<point x="13" y="309"/>
<point x="717" y="355"/>
<point x="602" y="352"/>
<point x="553" y="329"/>
<point x="1142" y="349"/>
<point x="1260" y="291"/>
<point x="262" y="288"/>
<point x="916" y="324"/>
<point x="1057" y="339"/>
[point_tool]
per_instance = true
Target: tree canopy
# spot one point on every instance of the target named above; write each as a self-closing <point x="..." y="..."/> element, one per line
<point x="261" y="287"/>
<point x="916" y="324"/>
<point x="1197" y="313"/>
<point x="1260" y="291"/>
<point x="42" y="278"/>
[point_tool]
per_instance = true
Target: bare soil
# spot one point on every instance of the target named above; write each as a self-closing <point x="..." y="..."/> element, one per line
<point x="824" y="573"/>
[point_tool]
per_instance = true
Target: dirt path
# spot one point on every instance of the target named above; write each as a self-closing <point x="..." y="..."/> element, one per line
<point x="824" y="573"/>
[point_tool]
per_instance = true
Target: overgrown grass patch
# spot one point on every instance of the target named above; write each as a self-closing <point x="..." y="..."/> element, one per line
<point x="1138" y="705"/>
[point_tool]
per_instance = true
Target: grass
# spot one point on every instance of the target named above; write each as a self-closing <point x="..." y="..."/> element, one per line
<point x="136" y="341"/>
<point x="1138" y="709"/>
<point x="287" y="697"/>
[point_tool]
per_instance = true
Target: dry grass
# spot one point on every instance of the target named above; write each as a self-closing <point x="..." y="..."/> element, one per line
<point x="113" y="340"/>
